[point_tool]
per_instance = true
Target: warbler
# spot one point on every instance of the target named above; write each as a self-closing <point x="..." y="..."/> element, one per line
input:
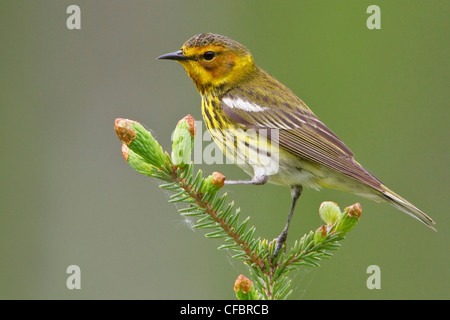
<point x="238" y="97"/>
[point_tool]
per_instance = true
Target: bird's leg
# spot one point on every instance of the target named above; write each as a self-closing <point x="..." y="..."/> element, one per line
<point x="296" y="191"/>
<point x="256" y="180"/>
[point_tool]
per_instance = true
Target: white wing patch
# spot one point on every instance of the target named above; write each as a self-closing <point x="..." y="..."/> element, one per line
<point x="238" y="103"/>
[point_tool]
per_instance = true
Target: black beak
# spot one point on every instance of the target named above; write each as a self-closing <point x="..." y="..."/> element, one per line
<point x="177" y="55"/>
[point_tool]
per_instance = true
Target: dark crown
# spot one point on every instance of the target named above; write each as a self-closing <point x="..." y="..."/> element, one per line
<point x="205" y="39"/>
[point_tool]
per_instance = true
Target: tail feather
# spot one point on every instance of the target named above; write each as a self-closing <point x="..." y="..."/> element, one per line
<point x="405" y="206"/>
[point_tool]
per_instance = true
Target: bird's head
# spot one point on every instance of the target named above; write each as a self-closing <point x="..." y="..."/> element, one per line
<point x="215" y="63"/>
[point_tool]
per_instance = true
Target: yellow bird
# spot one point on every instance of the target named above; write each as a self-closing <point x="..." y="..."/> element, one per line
<point x="270" y="132"/>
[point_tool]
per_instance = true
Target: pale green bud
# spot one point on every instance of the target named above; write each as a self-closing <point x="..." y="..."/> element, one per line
<point x="329" y="212"/>
<point x="183" y="141"/>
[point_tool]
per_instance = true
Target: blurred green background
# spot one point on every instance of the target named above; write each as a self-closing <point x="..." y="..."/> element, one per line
<point x="68" y="197"/>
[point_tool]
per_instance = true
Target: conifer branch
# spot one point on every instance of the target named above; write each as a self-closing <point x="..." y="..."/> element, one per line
<point x="212" y="211"/>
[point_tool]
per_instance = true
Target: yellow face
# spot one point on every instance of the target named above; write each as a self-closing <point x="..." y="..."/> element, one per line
<point x="214" y="65"/>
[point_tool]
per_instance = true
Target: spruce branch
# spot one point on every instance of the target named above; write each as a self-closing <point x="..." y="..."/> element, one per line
<point x="202" y="201"/>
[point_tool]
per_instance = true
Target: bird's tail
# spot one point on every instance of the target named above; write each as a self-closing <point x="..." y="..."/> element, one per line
<point x="405" y="206"/>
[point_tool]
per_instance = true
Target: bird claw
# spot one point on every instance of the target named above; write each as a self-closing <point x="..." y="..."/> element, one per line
<point x="280" y="241"/>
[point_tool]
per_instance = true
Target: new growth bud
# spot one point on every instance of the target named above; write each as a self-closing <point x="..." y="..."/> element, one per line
<point x="354" y="210"/>
<point x="349" y="218"/>
<point x="218" y="180"/>
<point x="329" y="212"/>
<point x="243" y="284"/>
<point x="320" y="235"/>
<point x="192" y="126"/>
<point x="244" y="289"/>
<point x="213" y="183"/>
<point x="183" y="141"/>
<point x="125" y="130"/>
<point x="140" y="141"/>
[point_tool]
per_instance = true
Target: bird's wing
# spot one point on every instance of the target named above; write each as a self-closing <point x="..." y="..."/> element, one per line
<point x="299" y="130"/>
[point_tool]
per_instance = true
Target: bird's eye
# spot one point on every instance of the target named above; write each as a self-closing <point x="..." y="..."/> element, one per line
<point x="209" y="55"/>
